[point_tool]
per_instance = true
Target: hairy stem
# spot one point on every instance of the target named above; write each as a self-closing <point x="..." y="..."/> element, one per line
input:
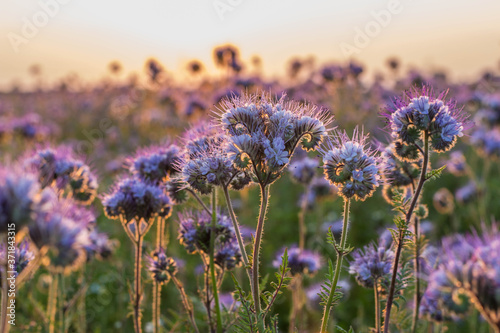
<point x="52" y="303"/>
<point x="338" y="267"/>
<point x="203" y="205"/>
<point x="238" y="233"/>
<point x="416" y="195"/>
<point x="60" y="304"/>
<point x="215" y="291"/>
<point x="137" y="283"/>
<point x="264" y="200"/>
<point x="417" y="277"/>
<point x="156" y="306"/>
<point x="377" y="306"/>
<point x="185" y="302"/>
<point x="302" y="216"/>
<point x="82" y="317"/>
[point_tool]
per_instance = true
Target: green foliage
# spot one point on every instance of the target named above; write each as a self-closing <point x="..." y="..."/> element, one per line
<point x="327" y="286"/>
<point x="435" y="174"/>
<point x="247" y="320"/>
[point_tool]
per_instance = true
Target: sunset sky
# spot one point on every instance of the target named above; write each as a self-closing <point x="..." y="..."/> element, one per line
<point x="82" y="37"/>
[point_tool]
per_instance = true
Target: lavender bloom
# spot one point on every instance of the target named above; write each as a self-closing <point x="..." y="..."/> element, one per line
<point x="175" y="188"/>
<point x="372" y="263"/>
<point x="263" y="134"/>
<point x="398" y="173"/>
<point x="351" y="166"/>
<point x="21" y="199"/>
<point x="299" y="261"/>
<point x="195" y="232"/>
<point x="467" y="193"/>
<point x="161" y="267"/>
<point x="155" y="164"/>
<point x="304" y="170"/>
<point x="59" y="167"/>
<point x="132" y="199"/>
<point x="22" y="256"/>
<point x="488" y="142"/>
<point x="100" y="246"/>
<point x="63" y="235"/>
<point x="420" y="112"/>
<point x="207" y="163"/>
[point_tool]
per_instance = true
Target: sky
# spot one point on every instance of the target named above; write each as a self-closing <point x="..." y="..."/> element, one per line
<point x="83" y="37"/>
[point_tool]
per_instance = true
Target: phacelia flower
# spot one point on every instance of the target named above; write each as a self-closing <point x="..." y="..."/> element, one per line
<point x="487" y="141"/>
<point x="207" y="163"/>
<point x="228" y="255"/>
<point x="299" y="261"/>
<point x="457" y="164"/>
<point x="372" y="263"/>
<point x="419" y="113"/>
<point x="21" y="198"/>
<point x="59" y="167"/>
<point x="195" y="229"/>
<point x="304" y="170"/>
<point x="155" y="164"/>
<point x="22" y="256"/>
<point x="132" y="199"/>
<point x="263" y="133"/>
<point x="161" y="267"/>
<point x="351" y="166"/>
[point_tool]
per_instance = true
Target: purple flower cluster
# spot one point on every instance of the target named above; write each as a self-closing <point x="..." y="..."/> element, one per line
<point x="468" y="273"/>
<point x="155" y="164"/>
<point x="371" y="264"/>
<point x="195" y="232"/>
<point x="264" y="133"/>
<point x="303" y="170"/>
<point x="421" y="113"/>
<point x="59" y="167"/>
<point x="132" y="199"/>
<point x="351" y="166"/>
<point x="161" y="267"/>
<point x="299" y="261"/>
<point x="22" y="255"/>
<point x="487" y="141"/>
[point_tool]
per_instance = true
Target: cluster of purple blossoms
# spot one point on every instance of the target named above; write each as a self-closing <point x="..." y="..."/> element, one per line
<point x="63" y="235"/>
<point x="21" y="198"/>
<point x="161" y="267"/>
<point x="420" y="114"/>
<point x="263" y="133"/>
<point x="59" y="167"/>
<point x="299" y="261"/>
<point x="303" y="170"/>
<point x="206" y="162"/>
<point x="397" y="174"/>
<point x="195" y="232"/>
<point x="469" y="267"/>
<point x="134" y="200"/>
<point x="155" y="164"/>
<point x="351" y="166"/>
<point x="468" y="192"/>
<point x="22" y="256"/>
<point x="487" y="141"/>
<point x="371" y="265"/>
<point x="28" y="127"/>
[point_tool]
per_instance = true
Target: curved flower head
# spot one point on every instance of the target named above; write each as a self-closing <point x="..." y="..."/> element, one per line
<point x="132" y="199"/>
<point x="207" y="163"/>
<point x="228" y="255"/>
<point x="22" y="256"/>
<point x="263" y="132"/>
<point x="155" y="164"/>
<point x="372" y="263"/>
<point x="161" y="267"/>
<point x="299" y="261"/>
<point x="195" y="228"/>
<point x="61" y="168"/>
<point x="351" y="166"/>
<point x="419" y="112"/>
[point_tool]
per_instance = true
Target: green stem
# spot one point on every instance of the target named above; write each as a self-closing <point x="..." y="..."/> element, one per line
<point x="185" y="302"/>
<point x="302" y="216"/>
<point x="416" y="195"/>
<point x="417" y="277"/>
<point x="156" y="306"/>
<point x="236" y="226"/>
<point x="60" y="304"/>
<point x="203" y="205"/>
<point x="212" y="262"/>
<point x="377" y="306"/>
<point x="264" y="200"/>
<point x="52" y="303"/>
<point x="338" y="267"/>
<point x="82" y="320"/>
